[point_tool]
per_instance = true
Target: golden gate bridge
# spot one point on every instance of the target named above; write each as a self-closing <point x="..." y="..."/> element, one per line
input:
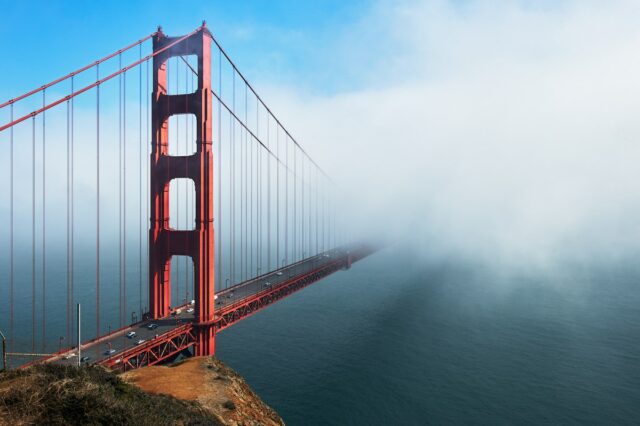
<point x="238" y="215"/>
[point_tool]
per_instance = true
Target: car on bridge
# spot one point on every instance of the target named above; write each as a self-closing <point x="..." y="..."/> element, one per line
<point x="85" y="359"/>
<point x="131" y="334"/>
<point x="140" y="341"/>
<point x="152" y="326"/>
<point x="190" y="310"/>
<point x="110" y="351"/>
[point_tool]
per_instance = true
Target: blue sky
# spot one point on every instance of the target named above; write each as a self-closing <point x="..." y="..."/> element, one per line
<point x="270" y="40"/>
<point x="500" y="128"/>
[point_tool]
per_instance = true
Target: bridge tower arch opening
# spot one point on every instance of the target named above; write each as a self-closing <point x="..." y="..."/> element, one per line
<point x="164" y="241"/>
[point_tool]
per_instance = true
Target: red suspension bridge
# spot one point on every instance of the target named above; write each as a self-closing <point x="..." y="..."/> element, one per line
<point x="239" y="215"/>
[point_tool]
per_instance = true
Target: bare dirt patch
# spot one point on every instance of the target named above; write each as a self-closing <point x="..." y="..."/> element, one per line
<point x="216" y="387"/>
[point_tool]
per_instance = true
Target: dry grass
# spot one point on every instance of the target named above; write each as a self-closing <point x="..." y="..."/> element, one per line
<point x="59" y="395"/>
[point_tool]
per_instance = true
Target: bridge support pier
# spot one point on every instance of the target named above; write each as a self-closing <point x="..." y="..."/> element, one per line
<point x="165" y="242"/>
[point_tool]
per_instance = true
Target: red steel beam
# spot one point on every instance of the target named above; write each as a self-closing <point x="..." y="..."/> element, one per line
<point x="165" y="242"/>
<point x="154" y="351"/>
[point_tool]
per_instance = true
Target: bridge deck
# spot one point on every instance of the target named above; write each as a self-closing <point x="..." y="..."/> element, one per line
<point x="173" y="334"/>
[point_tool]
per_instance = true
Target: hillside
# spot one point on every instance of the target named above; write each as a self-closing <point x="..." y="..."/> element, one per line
<point x="199" y="391"/>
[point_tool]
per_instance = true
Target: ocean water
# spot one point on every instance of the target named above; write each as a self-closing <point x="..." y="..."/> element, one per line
<point x="399" y="341"/>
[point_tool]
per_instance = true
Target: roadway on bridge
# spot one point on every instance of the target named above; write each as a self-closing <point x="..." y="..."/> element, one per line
<point x="97" y="350"/>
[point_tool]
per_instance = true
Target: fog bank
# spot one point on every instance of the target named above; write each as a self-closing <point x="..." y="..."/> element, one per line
<point x="503" y="133"/>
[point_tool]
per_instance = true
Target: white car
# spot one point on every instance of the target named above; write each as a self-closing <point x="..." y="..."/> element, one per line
<point x="71" y="355"/>
<point x="110" y="352"/>
<point x="140" y="341"/>
<point x="190" y="310"/>
<point x="267" y="284"/>
<point x="131" y="334"/>
<point x="279" y="273"/>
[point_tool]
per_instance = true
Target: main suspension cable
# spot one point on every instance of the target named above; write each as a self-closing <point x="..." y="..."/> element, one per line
<point x="97" y="83"/>
<point x="236" y="70"/>
<point x="74" y="73"/>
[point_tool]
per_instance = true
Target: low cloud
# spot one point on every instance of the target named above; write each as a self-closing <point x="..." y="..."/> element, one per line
<point x="503" y="133"/>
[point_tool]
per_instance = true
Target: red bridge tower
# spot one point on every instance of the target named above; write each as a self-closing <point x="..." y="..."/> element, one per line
<point x="165" y="242"/>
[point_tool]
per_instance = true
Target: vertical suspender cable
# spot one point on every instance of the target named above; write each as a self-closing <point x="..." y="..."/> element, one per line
<point x="233" y="186"/>
<point x="259" y="238"/>
<point x="176" y="152"/>
<point x="186" y="187"/>
<point x="246" y="189"/>
<point x="140" y="183"/>
<point x="259" y="212"/>
<point x="33" y="235"/>
<point x="124" y="194"/>
<point x="269" y="246"/>
<point x="147" y="160"/>
<point x="251" y="192"/>
<point x="286" y="210"/>
<point x="311" y="205"/>
<point x="192" y="200"/>
<point x="120" y="193"/>
<point x="302" y="179"/>
<point x="218" y="265"/>
<point x="68" y="333"/>
<point x="72" y="196"/>
<point x="11" y="235"/>
<point x="325" y="215"/>
<point x="97" y="202"/>
<point x="333" y="227"/>
<point x="241" y="202"/>
<point x="243" y="182"/>
<point x="231" y="223"/>
<point x="44" y="215"/>
<point x="295" y="204"/>
<point x="278" y="196"/>
<point x="317" y="209"/>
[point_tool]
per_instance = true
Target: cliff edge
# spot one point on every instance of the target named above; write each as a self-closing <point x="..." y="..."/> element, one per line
<point x="212" y="385"/>
<point x="198" y="391"/>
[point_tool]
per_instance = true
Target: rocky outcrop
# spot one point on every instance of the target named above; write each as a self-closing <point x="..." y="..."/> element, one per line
<point x="212" y="385"/>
